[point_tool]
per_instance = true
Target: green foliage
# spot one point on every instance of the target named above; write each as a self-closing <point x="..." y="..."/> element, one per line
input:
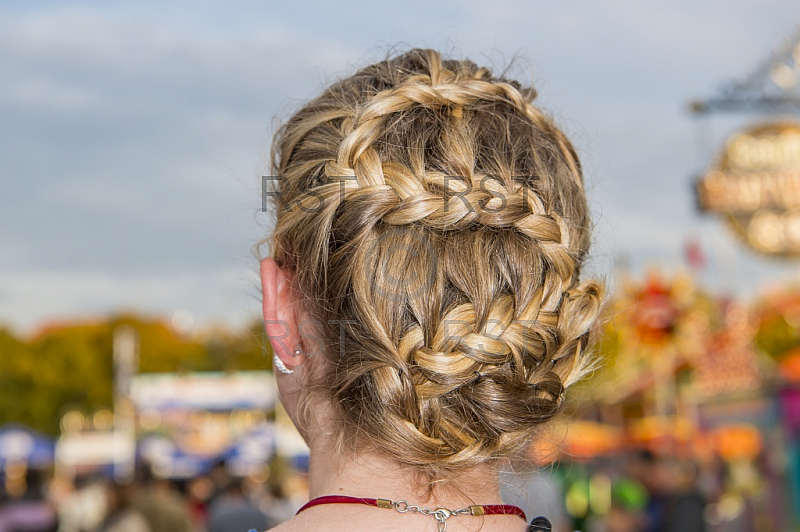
<point x="244" y="350"/>
<point x="775" y="336"/>
<point x="70" y="366"/>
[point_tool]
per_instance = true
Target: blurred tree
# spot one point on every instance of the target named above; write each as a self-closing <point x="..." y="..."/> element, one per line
<point x="162" y="349"/>
<point x="69" y="366"/>
<point x="778" y="322"/>
<point x="242" y="350"/>
<point x="775" y="336"/>
<point x="251" y="349"/>
<point x="16" y="384"/>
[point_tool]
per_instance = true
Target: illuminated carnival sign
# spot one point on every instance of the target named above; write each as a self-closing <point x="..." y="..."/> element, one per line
<point x="755" y="185"/>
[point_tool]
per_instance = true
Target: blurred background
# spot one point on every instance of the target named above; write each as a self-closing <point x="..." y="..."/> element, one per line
<point x="135" y="386"/>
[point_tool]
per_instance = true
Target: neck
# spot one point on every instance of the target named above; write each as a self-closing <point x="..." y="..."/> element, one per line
<point x="369" y="474"/>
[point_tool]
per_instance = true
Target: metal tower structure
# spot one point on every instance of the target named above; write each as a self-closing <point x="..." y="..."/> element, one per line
<point x="773" y="87"/>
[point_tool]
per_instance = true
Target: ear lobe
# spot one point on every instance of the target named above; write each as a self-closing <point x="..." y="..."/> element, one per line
<point x="279" y="307"/>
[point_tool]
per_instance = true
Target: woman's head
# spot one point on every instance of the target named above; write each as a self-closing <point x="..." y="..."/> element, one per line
<point x="432" y="223"/>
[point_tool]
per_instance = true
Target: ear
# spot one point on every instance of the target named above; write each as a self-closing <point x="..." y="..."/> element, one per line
<point x="281" y="315"/>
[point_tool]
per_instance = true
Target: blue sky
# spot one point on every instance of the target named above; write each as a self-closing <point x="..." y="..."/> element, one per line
<point x="133" y="135"/>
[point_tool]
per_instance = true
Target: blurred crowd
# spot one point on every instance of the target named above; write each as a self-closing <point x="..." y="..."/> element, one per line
<point x="634" y="491"/>
<point x="657" y="494"/>
<point x="215" y="502"/>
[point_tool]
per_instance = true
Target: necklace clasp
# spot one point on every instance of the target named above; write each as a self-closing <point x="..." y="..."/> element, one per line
<point x="441" y="515"/>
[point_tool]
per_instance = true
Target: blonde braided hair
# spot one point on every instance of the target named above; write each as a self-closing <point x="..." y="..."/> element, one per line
<point x="436" y="223"/>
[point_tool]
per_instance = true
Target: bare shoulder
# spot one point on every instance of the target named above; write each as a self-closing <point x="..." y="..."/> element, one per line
<point x="399" y="523"/>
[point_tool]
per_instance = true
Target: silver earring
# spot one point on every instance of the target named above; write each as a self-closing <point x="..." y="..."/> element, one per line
<point x="280" y="366"/>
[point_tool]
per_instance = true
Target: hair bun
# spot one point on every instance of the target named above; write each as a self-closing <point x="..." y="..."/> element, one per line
<point x="442" y="254"/>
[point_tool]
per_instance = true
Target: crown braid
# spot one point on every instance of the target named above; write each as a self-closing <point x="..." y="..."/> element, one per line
<point x="436" y="222"/>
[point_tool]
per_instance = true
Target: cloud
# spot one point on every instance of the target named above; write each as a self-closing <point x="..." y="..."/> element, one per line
<point x="133" y="135"/>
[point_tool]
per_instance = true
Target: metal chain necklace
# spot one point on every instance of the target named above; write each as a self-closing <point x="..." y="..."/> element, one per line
<point x="440" y="514"/>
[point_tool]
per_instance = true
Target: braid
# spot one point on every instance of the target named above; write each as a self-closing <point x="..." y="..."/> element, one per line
<point x="436" y="222"/>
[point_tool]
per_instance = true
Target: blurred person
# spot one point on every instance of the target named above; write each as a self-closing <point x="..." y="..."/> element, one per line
<point x="621" y="519"/>
<point x="121" y="514"/>
<point x="675" y="504"/>
<point x="277" y="506"/>
<point x="160" y="505"/>
<point x="284" y="492"/>
<point x="200" y="492"/>
<point x="629" y="499"/>
<point x="687" y="507"/>
<point x="219" y="477"/>
<point x="84" y="508"/>
<point x="423" y="297"/>
<point x="233" y="511"/>
<point x="32" y="511"/>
